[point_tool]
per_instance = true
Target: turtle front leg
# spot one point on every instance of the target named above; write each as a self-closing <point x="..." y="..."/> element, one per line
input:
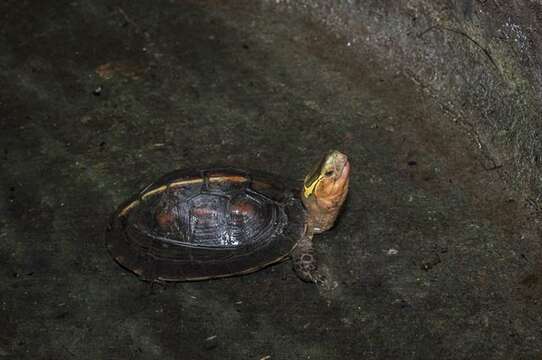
<point x="304" y="262"/>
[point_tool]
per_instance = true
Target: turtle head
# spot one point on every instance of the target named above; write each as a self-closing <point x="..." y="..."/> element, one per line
<point x="325" y="189"/>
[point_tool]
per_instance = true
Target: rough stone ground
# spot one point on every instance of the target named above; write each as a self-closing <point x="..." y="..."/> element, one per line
<point x="434" y="257"/>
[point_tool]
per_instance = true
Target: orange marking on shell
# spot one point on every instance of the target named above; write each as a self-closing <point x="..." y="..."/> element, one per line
<point x="124" y="211"/>
<point x="225" y="177"/>
<point x="204" y="211"/>
<point x="242" y="208"/>
<point x="165" y="218"/>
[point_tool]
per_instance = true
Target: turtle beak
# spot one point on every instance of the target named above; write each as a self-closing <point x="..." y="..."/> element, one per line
<point x="342" y="174"/>
<point x="338" y="165"/>
<point x="342" y="165"/>
<point x="345" y="173"/>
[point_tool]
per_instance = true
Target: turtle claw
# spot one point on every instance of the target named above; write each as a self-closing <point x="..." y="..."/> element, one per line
<point x="320" y="279"/>
<point x="325" y="281"/>
<point x="312" y="275"/>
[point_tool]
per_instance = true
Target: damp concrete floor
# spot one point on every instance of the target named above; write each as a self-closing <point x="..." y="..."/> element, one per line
<point x="434" y="257"/>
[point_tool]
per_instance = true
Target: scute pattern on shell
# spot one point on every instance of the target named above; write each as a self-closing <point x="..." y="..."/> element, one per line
<point x="198" y="216"/>
<point x="197" y="224"/>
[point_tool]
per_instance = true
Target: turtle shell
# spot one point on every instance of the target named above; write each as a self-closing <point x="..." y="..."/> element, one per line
<point x="201" y="224"/>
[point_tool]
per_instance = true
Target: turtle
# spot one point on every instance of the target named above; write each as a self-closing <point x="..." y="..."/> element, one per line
<point x="199" y="224"/>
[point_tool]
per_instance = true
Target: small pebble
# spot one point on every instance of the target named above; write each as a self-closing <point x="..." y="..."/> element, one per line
<point x="393" y="252"/>
<point x="211" y="342"/>
<point x="98" y="90"/>
<point x="85" y="119"/>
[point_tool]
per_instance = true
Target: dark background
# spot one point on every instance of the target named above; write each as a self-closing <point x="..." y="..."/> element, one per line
<point x="437" y="254"/>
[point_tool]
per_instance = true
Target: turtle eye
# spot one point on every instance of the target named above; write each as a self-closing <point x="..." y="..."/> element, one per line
<point x="328" y="173"/>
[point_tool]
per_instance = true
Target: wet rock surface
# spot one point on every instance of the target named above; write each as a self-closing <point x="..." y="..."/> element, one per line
<point x="437" y="254"/>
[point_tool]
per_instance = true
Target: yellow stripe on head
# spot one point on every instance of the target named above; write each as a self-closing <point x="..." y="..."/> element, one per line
<point x="308" y="190"/>
<point x="311" y="180"/>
